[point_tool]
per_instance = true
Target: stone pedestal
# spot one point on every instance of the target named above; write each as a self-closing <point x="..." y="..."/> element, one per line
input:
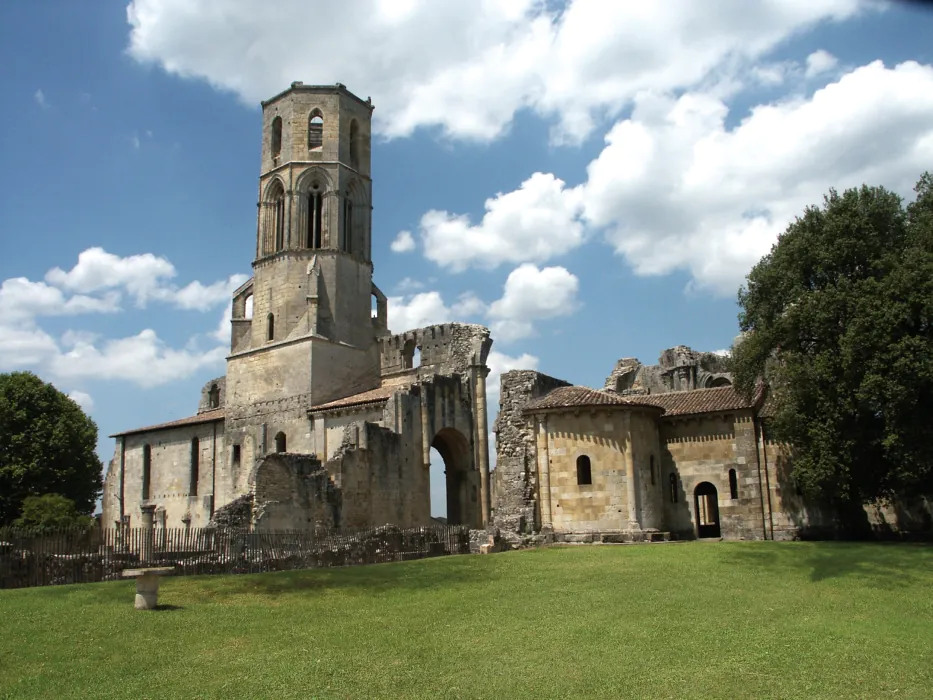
<point x="147" y="585"/>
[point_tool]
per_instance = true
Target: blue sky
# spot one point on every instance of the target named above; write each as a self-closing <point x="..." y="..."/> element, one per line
<point x="592" y="181"/>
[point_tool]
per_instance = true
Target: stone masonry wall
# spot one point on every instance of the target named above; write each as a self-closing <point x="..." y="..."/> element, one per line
<point x="704" y="448"/>
<point x="515" y="508"/>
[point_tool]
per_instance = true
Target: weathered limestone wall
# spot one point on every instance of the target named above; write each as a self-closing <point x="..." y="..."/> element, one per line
<point x="170" y="475"/>
<point x="646" y="455"/>
<point x="703" y="448"/>
<point x="608" y="438"/>
<point x="603" y="437"/>
<point x="380" y="478"/>
<point x="515" y="508"/>
<point x="294" y="492"/>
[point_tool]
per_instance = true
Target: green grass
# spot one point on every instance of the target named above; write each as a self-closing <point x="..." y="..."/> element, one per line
<point x="727" y="620"/>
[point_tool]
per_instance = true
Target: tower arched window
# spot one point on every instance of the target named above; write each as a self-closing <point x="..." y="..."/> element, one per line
<point x="347" y="233"/>
<point x="354" y="144"/>
<point x="195" y="466"/>
<point x="653" y="477"/>
<point x="147" y="471"/>
<point x="315" y="204"/>
<point x="584" y="470"/>
<point x="315" y="130"/>
<point x="280" y="442"/>
<point x="673" y="484"/>
<point x="270" y="327"/>
<point x="733" y="484"/>
<point x="274" y="228"/>
<point x="275" y="141"/>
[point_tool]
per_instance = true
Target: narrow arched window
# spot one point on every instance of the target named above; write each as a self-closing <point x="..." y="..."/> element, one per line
<point x="354" y="144"/>
<point x="195" y="466"/>
<point x="270" y="327"/>
<point x="584" y="471"/>
<point x="147" y="470"/>
<point x="275" y="144"/>
<point x="213" y="397"/>
<point x="673" y="483"/>
<point x="315" y="204"/>
<point x="653" y="476"/>
<point x="274" y="213"/>
<point x="315" y="131"/>
<point x="733" y="484"/>
<point x="347" y="223"/>
<point x="280" y="442"/>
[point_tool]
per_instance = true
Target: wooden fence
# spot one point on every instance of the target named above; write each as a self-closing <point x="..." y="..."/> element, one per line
<point x="29" y="558"/>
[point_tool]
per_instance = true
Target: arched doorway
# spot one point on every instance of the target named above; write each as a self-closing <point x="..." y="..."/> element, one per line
<point x="706" y="507"/>
<point x="460" y="480"/>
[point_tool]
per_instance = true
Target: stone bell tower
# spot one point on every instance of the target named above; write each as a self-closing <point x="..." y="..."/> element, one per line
<point x="311" y="336"/>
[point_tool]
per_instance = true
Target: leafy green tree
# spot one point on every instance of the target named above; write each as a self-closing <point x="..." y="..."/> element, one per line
<point x="46" y="446"/>
<point x="837" y="317"/>
<point x="51" y="512"/>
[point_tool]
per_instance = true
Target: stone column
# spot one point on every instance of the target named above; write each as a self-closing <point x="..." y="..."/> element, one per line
<point x="425" y="428"/>
<point x="145" y="542"/>
<point x="544" y="476"/>
<point x="631" y="486"/>
<point x="483" y="441"/>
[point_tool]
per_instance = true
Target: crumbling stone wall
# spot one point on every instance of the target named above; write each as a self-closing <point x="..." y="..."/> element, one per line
<point x="294" y="492"/>
<point x="515" y="508"/>
<point x="213" y="394"/>
<point x="678" y="369"/>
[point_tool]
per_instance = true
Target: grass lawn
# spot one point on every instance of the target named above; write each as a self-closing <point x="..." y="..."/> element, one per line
<point x="708" y="620"/>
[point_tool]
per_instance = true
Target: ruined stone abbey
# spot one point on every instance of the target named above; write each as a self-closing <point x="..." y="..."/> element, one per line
<point x="326" y="419"/>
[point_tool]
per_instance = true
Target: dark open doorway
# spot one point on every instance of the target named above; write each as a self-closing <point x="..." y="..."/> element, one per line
<point x="706" y="506"/>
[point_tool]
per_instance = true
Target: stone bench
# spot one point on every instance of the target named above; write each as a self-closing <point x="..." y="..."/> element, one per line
<point x="147" y="584"/>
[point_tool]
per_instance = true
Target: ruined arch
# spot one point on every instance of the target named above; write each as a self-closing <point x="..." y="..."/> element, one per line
<point x="461" y="480"/>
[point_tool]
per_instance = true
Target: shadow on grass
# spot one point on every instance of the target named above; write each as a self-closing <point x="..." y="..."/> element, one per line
<point x="878" y="564"/>
<point x="372" y="579"/>
<point x="167" y="608"/>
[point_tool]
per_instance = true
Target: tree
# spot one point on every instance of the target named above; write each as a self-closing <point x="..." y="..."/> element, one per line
<point x="837" y="318"/>
<point x="47" y="445"/>
<point x="51" y="512"/>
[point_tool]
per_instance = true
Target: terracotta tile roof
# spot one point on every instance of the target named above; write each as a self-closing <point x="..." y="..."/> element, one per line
<point x="206" y="417"/>
<point x="684" y="403"/>
<point x="371" y="396"/>
<point x="574" y="396"/>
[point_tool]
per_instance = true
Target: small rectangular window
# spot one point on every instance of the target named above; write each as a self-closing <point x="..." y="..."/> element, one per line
<point x="236" y="455"/>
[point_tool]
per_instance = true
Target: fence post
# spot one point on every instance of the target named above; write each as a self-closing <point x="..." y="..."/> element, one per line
<point x="145" y="544"/>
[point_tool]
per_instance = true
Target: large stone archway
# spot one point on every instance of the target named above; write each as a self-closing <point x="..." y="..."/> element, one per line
<point x="461" y="479"/>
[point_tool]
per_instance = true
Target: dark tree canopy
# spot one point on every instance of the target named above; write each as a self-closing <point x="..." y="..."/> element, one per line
<point x="837" y="317"/>
<point x="47" y="446"/>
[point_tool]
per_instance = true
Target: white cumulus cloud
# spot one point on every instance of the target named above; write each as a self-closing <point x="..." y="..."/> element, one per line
<point x="404" y="242"/>
<point x="467" y="66"/>
<point x="819" y="62"/>
<point x="532" y="294"/>
<point x="535" y="223"/>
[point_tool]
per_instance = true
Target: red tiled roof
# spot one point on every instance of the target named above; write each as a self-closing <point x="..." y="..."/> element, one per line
<point x="683" y="403"/>
<point x="579" y="396"/>
<point x="206" y="417"/>
<point x="371" y="396"/>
